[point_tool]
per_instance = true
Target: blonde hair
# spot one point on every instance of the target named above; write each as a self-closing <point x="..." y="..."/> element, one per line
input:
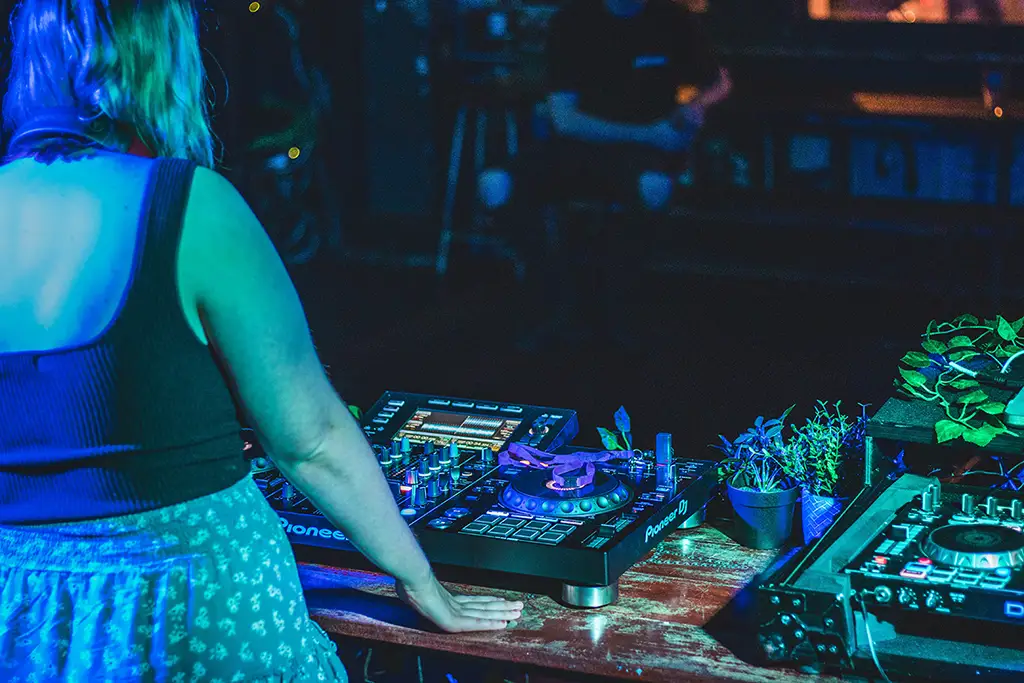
<point x="136" y="62"/>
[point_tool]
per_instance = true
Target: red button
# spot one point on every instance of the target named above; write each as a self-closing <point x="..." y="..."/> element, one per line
<point x="924" y="560"/>
<point x="879" y="559"/>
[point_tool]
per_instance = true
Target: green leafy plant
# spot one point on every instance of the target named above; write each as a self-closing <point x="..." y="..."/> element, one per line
<point x="758" y="459"/>
<point x="820" y="450"/>
<point x="944" y="372"/>
<point x="621" y="439"/>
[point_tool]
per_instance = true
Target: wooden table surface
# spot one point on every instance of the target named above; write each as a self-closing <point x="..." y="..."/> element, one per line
<point x="682" y="615"/>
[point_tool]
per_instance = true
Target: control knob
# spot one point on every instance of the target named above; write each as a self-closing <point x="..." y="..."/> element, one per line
<point x="433" y="489"/>
<point x="428" y="448"/>
<point x="967" y="504"/>
<point x="906" y="597"/>
<point x="287" y="494"/>
<point x="412" y="477"/>
<point x="991" y="507"/>
<point x="456" y="456"/>
<point x="932" y="600"/>
<point x="926" y="500"/>
<point x="406" y="450"/>
<point x="487" y="456"/>
<point x="424" y="468"/>
<point x="418" y="496"/>
<point x="936" y="494"/>
<point x="446" y="456"/>
<point x="883" y="594"/>
<point x="445" y="481"/>
<point x="435" y="462"/>
<point x="1015" y="510"/>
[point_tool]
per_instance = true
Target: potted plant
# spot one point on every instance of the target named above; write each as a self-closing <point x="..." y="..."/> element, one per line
<point x="823" y="455"/>
<point x="759" y="485"/>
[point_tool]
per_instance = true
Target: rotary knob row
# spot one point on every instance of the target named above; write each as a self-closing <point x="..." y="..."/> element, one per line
<point x="990" y="508"/>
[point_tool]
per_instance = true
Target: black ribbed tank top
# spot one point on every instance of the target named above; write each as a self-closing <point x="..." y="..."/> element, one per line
<point x="139" y="418"/>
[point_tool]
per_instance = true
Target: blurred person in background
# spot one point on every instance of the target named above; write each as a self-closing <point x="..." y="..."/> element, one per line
<point x="142" y="311"/>
<point x="618" y="130"/>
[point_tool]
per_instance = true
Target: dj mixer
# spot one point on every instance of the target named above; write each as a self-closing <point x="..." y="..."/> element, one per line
<point x="495" y="487"/>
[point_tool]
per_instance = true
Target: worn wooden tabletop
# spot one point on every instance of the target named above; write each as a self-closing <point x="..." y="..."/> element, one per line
<point x="682" y="615"/>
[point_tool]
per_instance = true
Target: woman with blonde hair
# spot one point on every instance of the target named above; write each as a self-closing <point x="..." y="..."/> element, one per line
<point x="142" y="309"/>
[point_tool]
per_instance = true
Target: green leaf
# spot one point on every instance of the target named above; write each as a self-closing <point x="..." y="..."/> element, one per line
<point x="960" y="341"/>
<point x="962" y="355"/>
<point x="934" y="346"/>
<point x="964" y="384"/>
<point x="913" y="377"/>
<point x="947" y="430"/>
<point x="610" y="441"/>
<point x="622" y="420"/>
<point x="1005" y="329"/>
<point x="916" y="359"/>
<point x="976" y="396"/>
<point x="356" y="412"/>
<point x="1017" y="324"/>
<point x="992" y="408"/>
<point x="966" y="318"/>
<point x="982" y="436"/>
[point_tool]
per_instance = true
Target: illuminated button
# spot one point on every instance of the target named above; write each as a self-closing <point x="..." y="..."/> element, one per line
<point x="456" y="513"/>
<point x="462" y="404"/>
<point x="514" y="522"/>
<point x="409" y="512"/>
<point x="526" y="534"/>
<point x="501" y="530"/>
<point x="516" y="410"/>
<point x="396" y="403"/>
<point x="614" y="495"/>
<point x="586" y="506"/>
<point x="531" y="504"/>
<point x="547" y="506"/>
<point x="994" y="582"/>
<point x="563" y="529"/>
<point x="1002" y="571"/>
<point x="489" y="519"/>
<point x="880" y="560"/>
<point x="566" y="506"/>
<point x="941" y="575"/>
<point x="439" y="402"/>
<point x="440" y="523"/>
<point x="602" y="502"/>
<point x="488" y="407"/>
<point x="923" y="560"/>
<point x="475" y="528"/>
<point x="551" y="538"/>
<point x="918" y="568"/>
<point x="538" y="526"/>
<point x="380" y="420"/>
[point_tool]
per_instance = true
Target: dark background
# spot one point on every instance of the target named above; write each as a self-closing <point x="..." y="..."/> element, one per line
<point x="815" y="299"/>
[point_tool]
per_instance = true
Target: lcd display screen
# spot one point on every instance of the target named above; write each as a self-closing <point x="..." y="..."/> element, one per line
<point x="468" y="431"/>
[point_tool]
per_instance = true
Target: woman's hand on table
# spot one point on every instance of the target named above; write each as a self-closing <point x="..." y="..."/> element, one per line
<point x="458" y="613"/>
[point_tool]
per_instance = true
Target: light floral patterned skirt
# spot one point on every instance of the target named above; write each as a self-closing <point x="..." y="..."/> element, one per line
<point x="205" y="591"/>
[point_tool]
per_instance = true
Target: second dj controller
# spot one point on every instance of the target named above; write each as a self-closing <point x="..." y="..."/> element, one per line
<point x="955" y="550"/>
<point x="473" y="502"/>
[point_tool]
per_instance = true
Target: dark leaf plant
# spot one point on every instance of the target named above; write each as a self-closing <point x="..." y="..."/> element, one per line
<point x="759" y="458"/>
<point x="821" y="450"/>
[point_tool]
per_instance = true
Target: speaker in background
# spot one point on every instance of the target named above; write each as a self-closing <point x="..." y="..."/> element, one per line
<point x="399" y="117"/>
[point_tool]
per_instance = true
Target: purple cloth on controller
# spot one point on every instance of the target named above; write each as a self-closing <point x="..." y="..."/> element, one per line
<point x="560" y="465"/>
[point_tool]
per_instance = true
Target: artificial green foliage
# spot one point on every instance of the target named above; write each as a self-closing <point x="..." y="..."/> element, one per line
<point x="819" y="450"/>
<point x="973" y="410"/>
<point x="356" y="412"/>
<point x="621" y="438"/>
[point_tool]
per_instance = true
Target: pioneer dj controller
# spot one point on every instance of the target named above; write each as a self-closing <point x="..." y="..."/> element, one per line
<point x="956" y="552"/>
<point x="491" y="486"/>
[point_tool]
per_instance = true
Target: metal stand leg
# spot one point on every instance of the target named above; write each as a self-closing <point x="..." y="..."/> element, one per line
<point x="589" y="596"/>
<point x="451" y="191"/>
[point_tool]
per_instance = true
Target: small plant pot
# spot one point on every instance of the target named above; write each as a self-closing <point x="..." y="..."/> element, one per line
<point x="818" y="513"/>
<point x="763" y="520"/>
